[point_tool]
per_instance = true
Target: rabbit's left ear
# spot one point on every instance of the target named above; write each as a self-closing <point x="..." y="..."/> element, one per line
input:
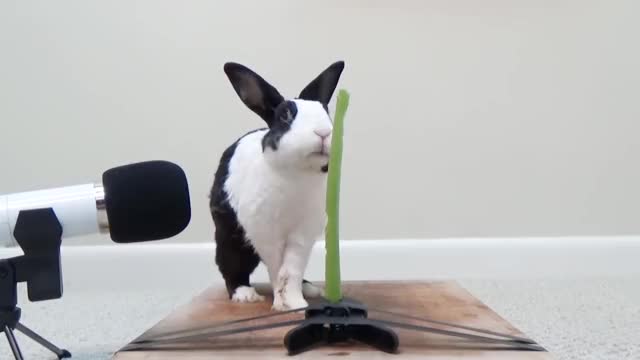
<point x="254" y="91"/>
<point x="322" y="87"/>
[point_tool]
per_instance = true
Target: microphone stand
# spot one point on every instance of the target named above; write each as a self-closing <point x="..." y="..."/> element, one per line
<point x="39" y="234"/>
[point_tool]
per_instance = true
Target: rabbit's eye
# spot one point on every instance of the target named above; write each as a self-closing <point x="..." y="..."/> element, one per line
<point x="286" y="112"/>
<point x="287" y="117"/>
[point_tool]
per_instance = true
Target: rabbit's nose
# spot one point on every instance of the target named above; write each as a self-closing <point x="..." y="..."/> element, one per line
<point x="323" y="133"/>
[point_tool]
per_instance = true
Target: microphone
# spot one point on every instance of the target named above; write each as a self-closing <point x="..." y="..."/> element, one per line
<point x="135" y="202"/>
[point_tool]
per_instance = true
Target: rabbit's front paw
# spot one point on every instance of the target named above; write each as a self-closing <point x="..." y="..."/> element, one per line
<point x="312" y="291"/>
<point x="246" y="294"/>
<point x="284" y="303"/>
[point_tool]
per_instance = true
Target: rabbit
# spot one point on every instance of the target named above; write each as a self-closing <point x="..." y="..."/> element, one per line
<point x="268" y="196"/>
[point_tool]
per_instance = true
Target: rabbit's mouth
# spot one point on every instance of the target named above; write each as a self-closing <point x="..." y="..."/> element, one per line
<point x="323" y="151"/>
<point x="320" y="153"/>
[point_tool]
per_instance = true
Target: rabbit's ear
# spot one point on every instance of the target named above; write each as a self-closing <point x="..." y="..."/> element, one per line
<point x="253" y="90"/>
<point x="322" y="87"/>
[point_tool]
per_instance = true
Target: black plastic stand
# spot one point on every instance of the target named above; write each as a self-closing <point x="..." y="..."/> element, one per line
<point x="328" y="323"/>
<point x="38" y="233"/>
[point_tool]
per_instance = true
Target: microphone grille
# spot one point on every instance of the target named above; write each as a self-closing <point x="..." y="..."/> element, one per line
<point x="146" y="201"/>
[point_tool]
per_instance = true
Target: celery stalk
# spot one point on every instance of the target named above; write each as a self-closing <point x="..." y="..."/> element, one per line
<point x="333" y="291"/>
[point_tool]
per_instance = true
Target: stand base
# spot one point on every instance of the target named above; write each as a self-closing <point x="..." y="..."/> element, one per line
<point x="328" y="324"/>
<point x="444" y="301"/>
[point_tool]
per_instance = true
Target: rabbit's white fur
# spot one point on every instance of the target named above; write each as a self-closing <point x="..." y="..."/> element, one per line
<point x="279" y="198"/>
<point x="268" y="196"/>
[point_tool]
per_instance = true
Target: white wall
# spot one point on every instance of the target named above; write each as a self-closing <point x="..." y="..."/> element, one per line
<point x="468" y="118"/>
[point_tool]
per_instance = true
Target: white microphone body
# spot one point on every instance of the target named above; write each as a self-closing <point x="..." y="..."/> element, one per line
<point x="78" y="209"/>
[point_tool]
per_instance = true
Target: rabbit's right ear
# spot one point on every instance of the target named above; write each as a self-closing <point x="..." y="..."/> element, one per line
<point x="254" y="91"/>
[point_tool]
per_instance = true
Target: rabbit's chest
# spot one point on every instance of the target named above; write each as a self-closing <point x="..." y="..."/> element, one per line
<point x="281" y="208"/>
<point x="270" y="203"/>
<point x="285" y="207"/>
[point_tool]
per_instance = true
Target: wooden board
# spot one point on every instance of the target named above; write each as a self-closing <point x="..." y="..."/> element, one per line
<point x="441" y="301"/>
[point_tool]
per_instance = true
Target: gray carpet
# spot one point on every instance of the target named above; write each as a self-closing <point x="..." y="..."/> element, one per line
<point x="574" y="319"/>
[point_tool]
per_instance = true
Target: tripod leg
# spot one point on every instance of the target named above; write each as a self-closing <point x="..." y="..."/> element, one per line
<point x="13" y="343"/>
<point x="42" y="341"/>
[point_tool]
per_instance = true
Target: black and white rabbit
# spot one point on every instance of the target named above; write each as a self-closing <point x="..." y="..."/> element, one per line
<point x="268" y="197"/>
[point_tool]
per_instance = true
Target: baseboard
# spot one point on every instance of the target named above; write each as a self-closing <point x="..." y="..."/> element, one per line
<point x="409" y="259"/>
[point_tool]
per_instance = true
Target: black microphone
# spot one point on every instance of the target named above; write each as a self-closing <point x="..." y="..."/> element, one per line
<point x="146" y="201"/>
<point x="136" y="202"/>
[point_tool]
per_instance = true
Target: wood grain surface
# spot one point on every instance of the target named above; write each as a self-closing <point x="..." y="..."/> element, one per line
<point x="443" y="301"/>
